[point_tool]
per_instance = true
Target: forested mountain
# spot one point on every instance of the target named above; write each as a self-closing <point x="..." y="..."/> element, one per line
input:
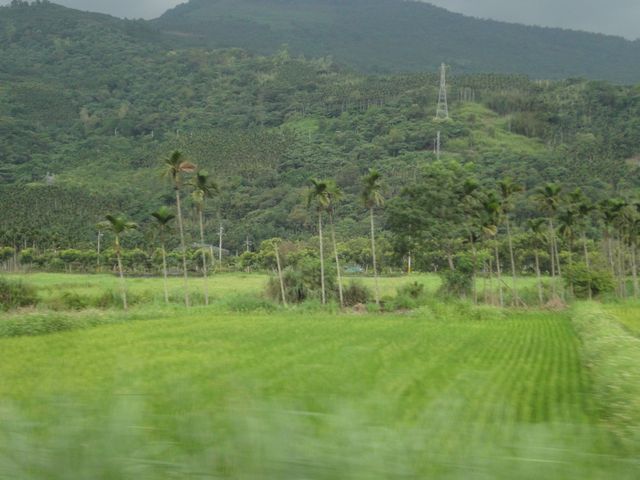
<point x="386" y="36"/>
<point x="91" y="105"/>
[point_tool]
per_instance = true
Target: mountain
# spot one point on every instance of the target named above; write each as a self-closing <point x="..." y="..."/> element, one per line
<point x="90" y="106"/>
<point x="384" y="36"/>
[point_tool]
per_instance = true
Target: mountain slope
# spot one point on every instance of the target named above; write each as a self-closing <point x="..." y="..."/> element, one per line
<point x="398" y="35"/>
<point x="90" y="105"/>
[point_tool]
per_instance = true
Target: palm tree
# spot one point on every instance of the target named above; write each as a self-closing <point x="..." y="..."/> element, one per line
<point x="568" y="225"/>
<point x="335" y="194"/>
<point x="203" y="188"/>
<point x="492" y="212"/>
<point x="535" y="226"/>
<point x="469" y="200"/>
<point x="175" y="167"/>
<point x="319" y="195"/>
<point x="507" y="189"/>
<point x="163" y="217"/>
<point x="583" y="208"/>
<point x="548" y="197"/>
<point x="276" y="248"/>
<point x="118" y="225"/>
<point x="372" y="198"/>
<point x="630" y="227"/>
<point x="611" y="210"/>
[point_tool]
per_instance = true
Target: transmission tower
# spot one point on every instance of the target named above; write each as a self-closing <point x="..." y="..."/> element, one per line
<point x="442" y="113"/>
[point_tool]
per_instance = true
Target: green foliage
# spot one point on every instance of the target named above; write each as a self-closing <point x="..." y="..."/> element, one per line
<point x="16" y="295"/>
<point x="598" y="279"/>
<point x="356" y="293"/>
<point x="336" y="29"/>
<point x="612" y="354"/>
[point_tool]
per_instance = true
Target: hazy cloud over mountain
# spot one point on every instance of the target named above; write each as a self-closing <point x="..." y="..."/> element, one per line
<point x="616" y="17"/>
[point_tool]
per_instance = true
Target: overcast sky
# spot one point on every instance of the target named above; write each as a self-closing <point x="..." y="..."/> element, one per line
<point x="616" y="17"/>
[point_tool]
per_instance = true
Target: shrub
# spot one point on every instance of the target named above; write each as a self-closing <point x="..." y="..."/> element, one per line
<point x="302" y="282"/>
<point x="598" y="279"/>
<point x="16" y="295"/>
<point x="457" y="283"/>
<point x="356" y="293"/>
<point x="412" y="290"/>
<point x="248" y="303"/>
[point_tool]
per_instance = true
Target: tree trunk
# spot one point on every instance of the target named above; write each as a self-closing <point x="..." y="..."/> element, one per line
<point x="499" y="274"/>
<point x="164" y="274"/>
<point x="539" y="277"/>
<point x="516" y="300"/>
<point x="123" y="287"/>
<point x="554" y="288"/>
<point x="571" y="290"/>
<point x="324" y="292"/>
<point x="335" y="251"/>
<point x="621" y="269"/>
<point x="609" y="242"/>
<point x="184" y="250"/>
<point x="634" y="270"/>
<point x="587" y="263"/>
<point x="474" y="287"/>
<point x="280" y="277"/>
<point x="373" y="256"/>
<point x="204" y="256"/>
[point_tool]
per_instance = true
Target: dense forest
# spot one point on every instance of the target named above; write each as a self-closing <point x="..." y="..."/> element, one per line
<point x="386" y="36"/>
<point x="91" y="106"/>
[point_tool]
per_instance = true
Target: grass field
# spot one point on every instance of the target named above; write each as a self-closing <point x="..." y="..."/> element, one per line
<point x="447" y="391"/>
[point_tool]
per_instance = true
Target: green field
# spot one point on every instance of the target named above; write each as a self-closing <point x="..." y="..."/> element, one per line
<point x="445" y="391"/>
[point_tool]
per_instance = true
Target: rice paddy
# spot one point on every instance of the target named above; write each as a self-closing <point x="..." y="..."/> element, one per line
<point x="446" y="391"/>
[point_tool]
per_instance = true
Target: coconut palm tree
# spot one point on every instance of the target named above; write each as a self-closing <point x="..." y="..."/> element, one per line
<point x="318" y="195"/>
<point x="203" y="188"/>
<point x="548" y="197"/>
<point x="175" y="167"/>
<point x="118" y="225"/>
<point x="335" y="195"/>
<point x="164" y="216"/>
<point x="371" y="198"/>
<point x="507" y="189"/>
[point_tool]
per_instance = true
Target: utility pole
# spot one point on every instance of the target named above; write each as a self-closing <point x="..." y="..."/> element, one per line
<point x="438" y="144"/>
<point x="442" y="112"/>
<point x="248" y="244"/>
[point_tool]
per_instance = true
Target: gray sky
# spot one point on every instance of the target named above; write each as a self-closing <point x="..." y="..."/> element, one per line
<point x="616" y="17"/>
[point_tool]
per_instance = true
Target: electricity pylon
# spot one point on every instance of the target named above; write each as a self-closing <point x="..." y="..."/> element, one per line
<point x="442" y="113"/>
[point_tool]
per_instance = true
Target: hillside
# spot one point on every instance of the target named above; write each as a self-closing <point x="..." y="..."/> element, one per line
<point x="385" y="36"/>
<point x="97" y="103"/>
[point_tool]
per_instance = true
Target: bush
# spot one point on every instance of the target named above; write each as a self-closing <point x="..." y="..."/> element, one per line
<point x="413" y="290"/>
<point x="408" y="297"/>
<point x="302" y="282"/>
<point x="70" y="301"/>
<point x="16" y="295"/>
<point x="356" y="293"/>
<point x="598" y="279"/>
<point x="248" y="304"/>
<point x="457" y="283"/>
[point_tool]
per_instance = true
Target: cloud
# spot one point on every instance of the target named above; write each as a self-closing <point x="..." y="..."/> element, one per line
<point x="120" y="8"/>
<point x="614" y="17"/>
